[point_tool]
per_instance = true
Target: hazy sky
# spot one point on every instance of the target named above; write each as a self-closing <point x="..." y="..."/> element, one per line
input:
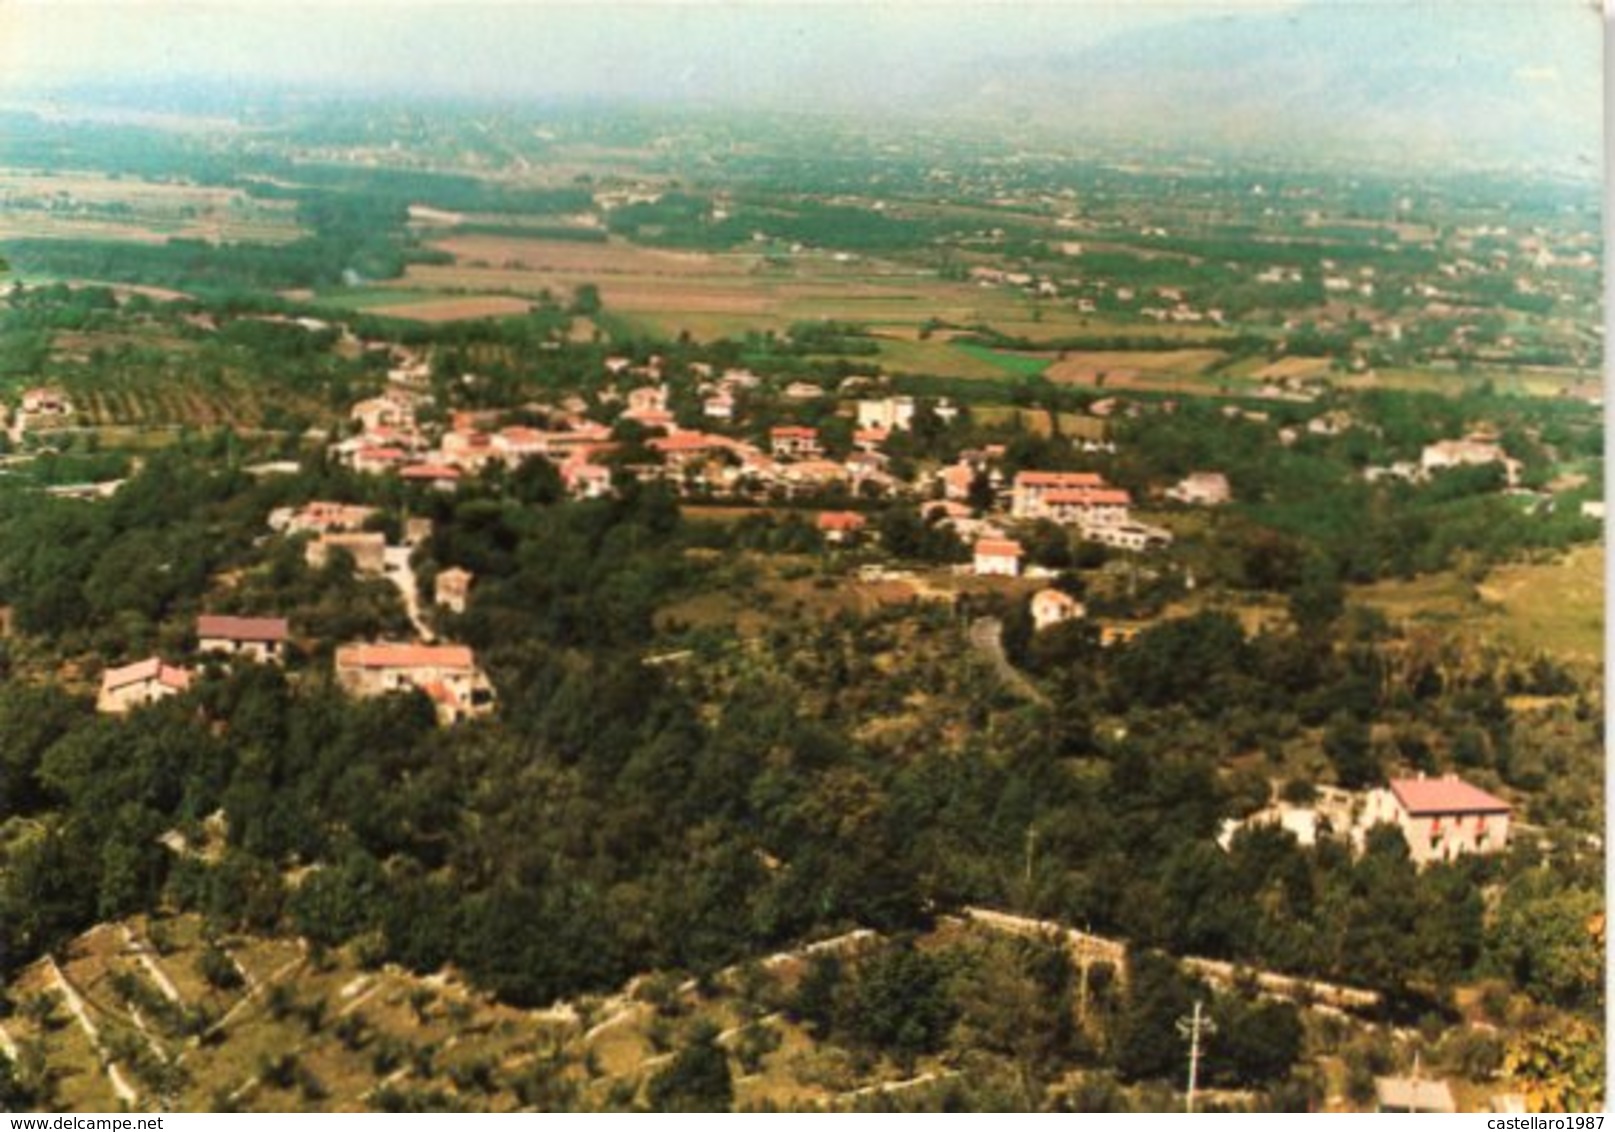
<point x="474" y="46"/>
<point x="1382" y="55"/>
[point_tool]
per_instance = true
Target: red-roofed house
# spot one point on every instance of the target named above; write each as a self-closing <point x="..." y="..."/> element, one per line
<point x="793" y="441"/>
<point x="1087" y="506"/>
<point x="1030" y="489"/>
<point x="1441" y="818"/>
<point x="259" y="638"/>
<point x="999" y="557"/>
<point x="447" y="673"/>
<point x="144" y="682"/>
<point x="841" y="526"/>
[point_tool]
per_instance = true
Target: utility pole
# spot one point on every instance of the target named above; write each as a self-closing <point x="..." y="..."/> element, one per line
<point x="1191" y="1028"/>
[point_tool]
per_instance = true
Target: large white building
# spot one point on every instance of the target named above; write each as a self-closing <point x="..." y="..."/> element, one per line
<point x="1441" y="818"/>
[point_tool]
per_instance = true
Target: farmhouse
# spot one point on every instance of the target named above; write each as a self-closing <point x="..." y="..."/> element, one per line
<point x="1052" y="607"/>
<point x="448" y="674"/>
<point x="257" y="638"/>
<point x="134" y="685"/>
<point x="1205" y="489"/>
<point x="998" y="557"/>
<point x="1441" y="818"/>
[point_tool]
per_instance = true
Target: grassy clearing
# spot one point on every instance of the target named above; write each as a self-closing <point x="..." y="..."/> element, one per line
<point x="1550" y="607"/>
<point x="1557" y="607"/>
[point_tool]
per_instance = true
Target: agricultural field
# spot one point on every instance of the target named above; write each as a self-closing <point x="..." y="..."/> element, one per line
<point x="152" y="1014"/>
<point x="1156" y="370"/>
<point x="454" y="309"/>
<point x="100" y="206"/>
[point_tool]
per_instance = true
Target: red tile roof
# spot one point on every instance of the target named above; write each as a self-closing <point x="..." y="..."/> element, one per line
<point x="1089" y="497"/>
<point x="1059" y="479"/>
<point x="999" y="548"/>
<point x="152" y="668"/>
<point x="430" y="472"/>
<point x="1448" y="795"/>
<point x="687" y="442"/>
<point x="841" y="521"/>
<point x="211" y="626"/>
<point x="405" y="656"/>
<point x="787" y="432"/>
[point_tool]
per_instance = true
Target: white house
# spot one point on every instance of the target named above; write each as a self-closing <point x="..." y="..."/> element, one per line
<point x="1051" y="607"/>
<point x="1205" y="489"/>
<point x="1441" y="818"/>
<point x="259" y="638"/>
<point x="134" y="685"/>
<point x="998" y="557"/>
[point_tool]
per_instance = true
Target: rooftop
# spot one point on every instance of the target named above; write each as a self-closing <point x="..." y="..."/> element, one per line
<point x="1444" y="796"/>
<point x="210" y="626"/>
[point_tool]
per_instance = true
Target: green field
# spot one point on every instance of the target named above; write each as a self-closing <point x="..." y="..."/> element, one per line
<point x="1551" y="607"/>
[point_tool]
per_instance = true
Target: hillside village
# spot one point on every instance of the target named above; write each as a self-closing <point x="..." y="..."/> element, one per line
<point x="895" y="631"/>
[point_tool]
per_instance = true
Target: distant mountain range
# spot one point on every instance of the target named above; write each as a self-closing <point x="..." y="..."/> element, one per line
<point x="1485" y="83"/>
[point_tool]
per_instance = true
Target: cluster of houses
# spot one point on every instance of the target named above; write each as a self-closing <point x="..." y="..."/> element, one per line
<point x="1441" y="819"/>
<point x="388" y="437"/>
<point x="259" y="639"/>
<point x="447" y="674"/>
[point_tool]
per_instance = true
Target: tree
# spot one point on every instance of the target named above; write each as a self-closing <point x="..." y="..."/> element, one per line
<point x="1544" y="938"/>
<point x="697" y="1079"/>
<point x="898" y="1003"/>
<point x="1560" y="1067"/>
<point x="1147" y="1041"/>
<point x="1347" y="742"/>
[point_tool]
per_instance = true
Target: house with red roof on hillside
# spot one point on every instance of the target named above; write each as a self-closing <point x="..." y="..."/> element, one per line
<point x="1441" y="818"/>
<point x="257" y="638"/>
<point x="135" y="685"/>
<point x="998" y="557"/>
<point x="841" y="526"/>
<point x="1030" y="490"/>
<point x="448" y="674"/>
